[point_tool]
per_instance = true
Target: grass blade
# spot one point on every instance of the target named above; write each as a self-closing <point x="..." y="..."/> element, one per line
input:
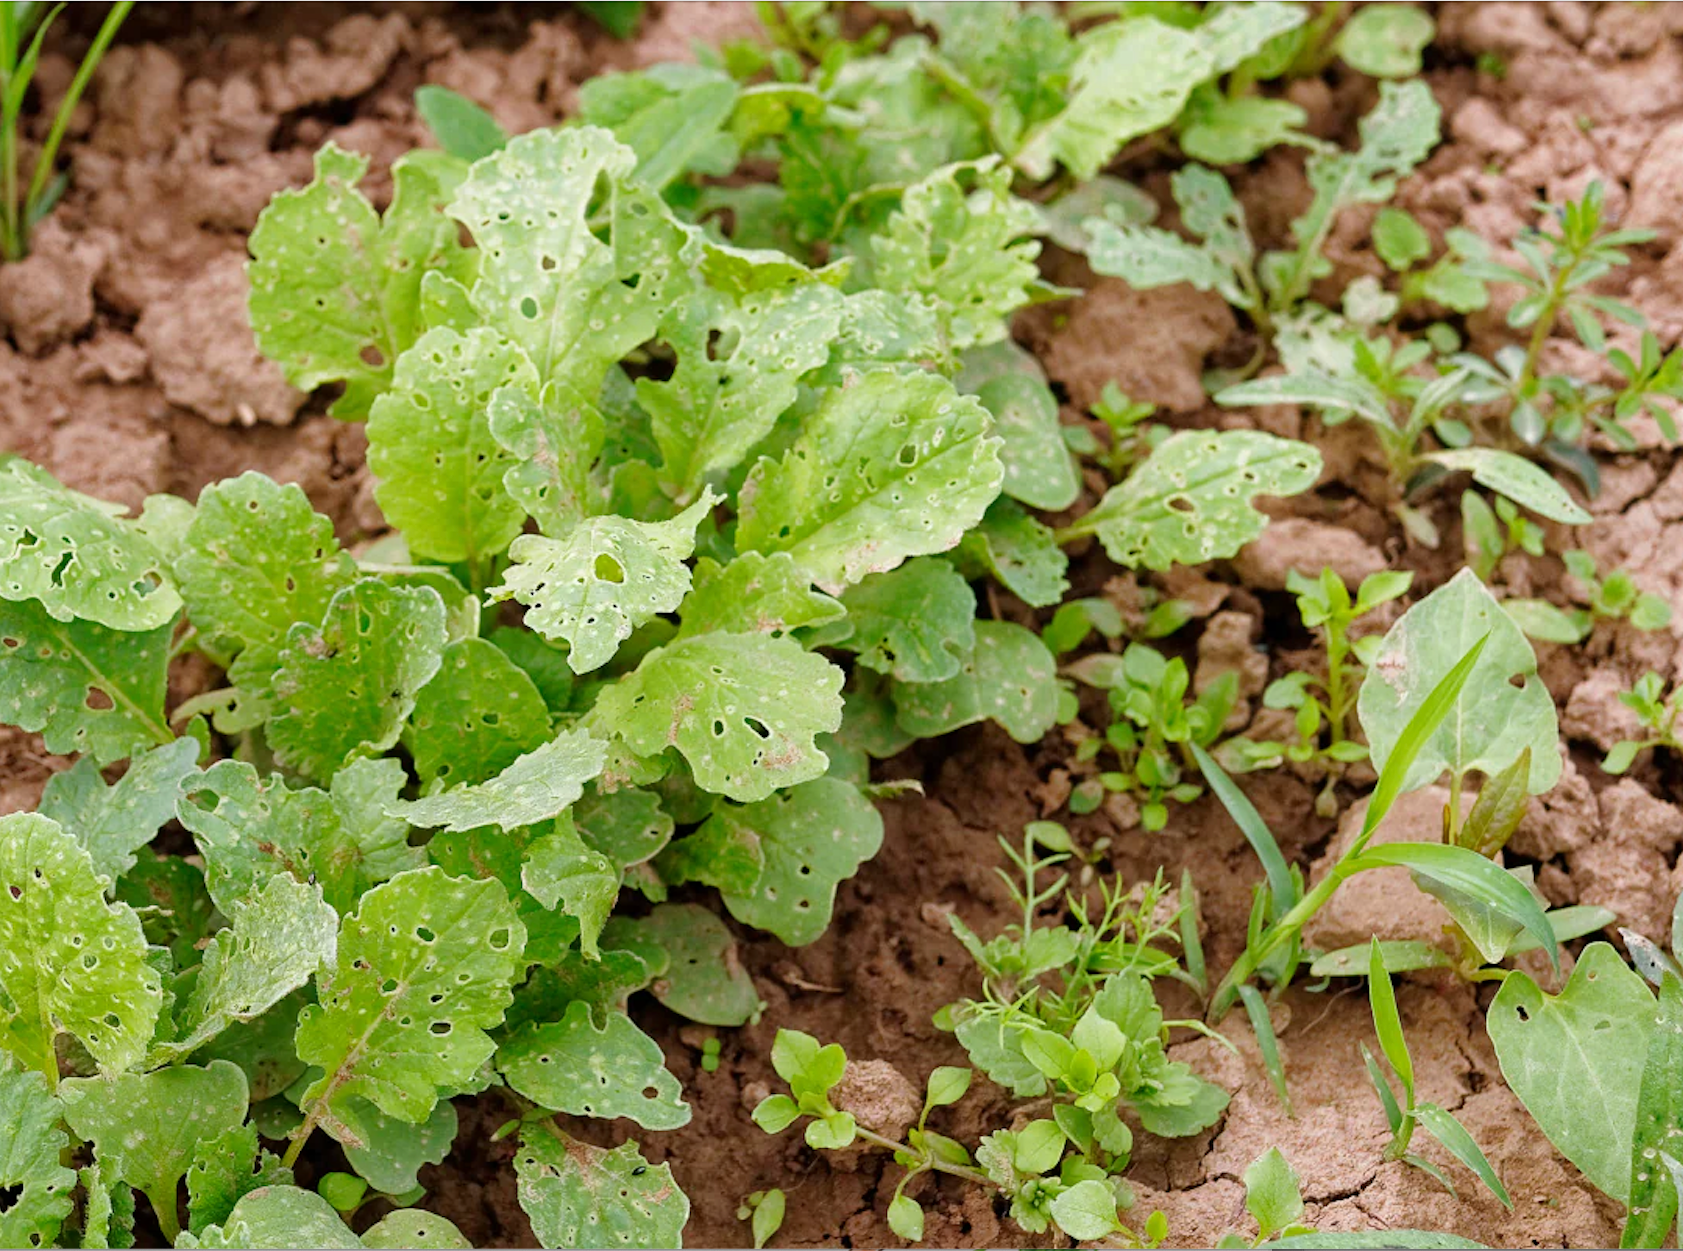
<point x="1262" y="1025"/>
<point x="1255" y="830"/>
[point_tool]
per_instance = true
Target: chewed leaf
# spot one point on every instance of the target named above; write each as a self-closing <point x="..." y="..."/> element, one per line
<point x="580" y="1196"/>
<point x="336" y="291"/>
<point x="1524" y="483"/>
<point x="424" y="970"/>
<point x="412" y="1229"/>
<point x="69" y="961"/>
<point x="38" y="1186"/>
<point x="543" y="783"/>
<point x="702" y="977"/>
<point x="438" y="471"/>
<point x="891" y="465"/>
<point x="1010" y="678"/>
<point x="916" y="623"/>
<point x="573" y="1066"/>
<point x="77" y="558"/>
<point x="601" y="580"/>
<point x="480" y="712"/>
<point x="743" y="709"/>
<point x="112" y="822"/>
<point x="1503" y="708"/>
<point x="1020" y="551"/>
<point x="1039" y="469"/>
<point x="562" y="870"/>
<point x="276" y="1217"/>
<point x="753" y="594"/>
<point x="1149" y="256"/>
<point x="553" y="441"/>
<point x="1190" y="501"/>
<point x="345" y="688"/>
<point x="226" y="1167"/>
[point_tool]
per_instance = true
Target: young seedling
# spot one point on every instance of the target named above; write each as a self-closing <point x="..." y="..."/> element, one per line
<point x="1490" y="533"/>
<point x="1615" y="598"/>
<point x="1132" y="435"/>
<point x="764" y="1210"/>
<point x="1657" y="712"/>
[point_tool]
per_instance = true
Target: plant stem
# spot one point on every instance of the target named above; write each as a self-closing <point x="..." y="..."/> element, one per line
<point x="301" y="1136"/>
<point x="163" y="1207"/>
<point x="934" y="1162"/>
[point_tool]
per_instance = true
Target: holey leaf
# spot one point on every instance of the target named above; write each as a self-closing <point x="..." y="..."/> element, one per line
<point x="480" y="713"/>
<point x="915" y="623"/>
<point x="345" y="688"/>
<point x="744" y="710"/>
<point x="1010" y="678"/>
<point x="1518" y="479"/>
<point x="577" y="263"/>
<point x="574" y="1067"/>
<point x="336" y="291"/>
<point x="542" y="784"/>
<point x="69" y="961"/>
<point x="113" y="822"/>
<point x="1039" y="468"/>
<point x="1503" y="708"/>
<point x="438" y="471"/>
<point x="424" y="970"/>
<point x="1190" y="501"/>
<point x="753" y="594"/>
<point x="553" y="442"/>
<point x="38" y="1187"/>
<point x="580" y="1196"/>
<point x="78" y="559"/>
<point x="891" y="465"/>
<point x="698" y="973"/>
<point x="602" y="579"/>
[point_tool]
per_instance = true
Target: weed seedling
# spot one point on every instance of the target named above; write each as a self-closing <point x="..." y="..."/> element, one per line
<point x="1615" y="598"/>
<point x="1658" y="714"/>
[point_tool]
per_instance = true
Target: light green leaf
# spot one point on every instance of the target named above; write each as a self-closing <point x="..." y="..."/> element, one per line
<point x="462" y="128"/>
<point x="1273" y="1192"/>
<point x="703" y="980"/>
<point x="1234" y="33"/>
<point x="1460" y="1144"/>
<point x="601" y="580"/>
<point x="277" y="1217"/>
<point x="1149" y="256"/>
<point x="1658" y="1131"/>
<point x="540" y="785"/>
<point x="479" y="714"/>
<point x="560" y="869"/>
<point x="580" y="1196"/>
<point x="810" y="838"/>
<point x="1190" y="501"/>
<point x="77" y="556"/>
<point x="344" y="688"/>
<point x="1086" y="1211"/>
<point x="1235" y="130"/>
<point x="1356" y="1240"/>
<point x="38" y="1186"/>
<point x="753" y="594"/>
<point x="395" y="1150"/>
<point x="575" y="1067"/>
<point x="1526" y="484"/>
<point x="1020" y="551"/>
<point x="69" y="961"/>
<point x="335" y="290"/>
<point x="1557" y="1055"/>
<point x="424" y="969"/>
<point x="891" y="465"/>
<point x="671" y="115"/>
<point x="1319" y="390"/>
<point x="1010" y="678"/>
<point x="112" y="822"/>
<point x="1385" y="40"/>
<point x="225" y="1168"/>
<point x="107" y="1211"/>
<point x="553" y="442"/>
<point x="915" y="623"/>
<point x="1492" y="721"/>
<point x="744" y="710"/>
<point x="438" y="472"/>
<point x="411" y="1229"/>
<point x="1039" y="469"/>
<point x="629" y="826"/>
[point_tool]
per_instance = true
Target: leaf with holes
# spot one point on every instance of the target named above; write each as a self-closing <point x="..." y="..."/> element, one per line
<point x="345" y="688"/>
<point x="574" y="1066"/>
<point x="561" y="870"/>
<point x="542" y="784"/>
<point x="702" y="977"/>
<point x="1009" y="678"/>
<point x="753" y="594"/>
<point x="424" y="969"/>
<point x="1190" y="501"/>
<point x="811" y="839"/>
<point x="1020" y="551"/>
<point x="77" y="557"/>
<point x="336" y="290"/>
<point x="113" y="822"/>
<point x="278" y="1216"/>
<point x="37" y="1186"/>
<point x="744" y="710"/>
<point x="145" y="1126"/>
<point x="438" y="472"/>
<point x="601" y="580"/>
<point x="890" y="465"/>
<point x="69" y="961"/>
<point x="479" y="714"/>
<point x="915" y="623"/>
<point x="628" y="826"/>
<point x="580" y="1196"/>
<point x="553" y="441"/>
<point x="274" y="943"/>
<point x="1039" y="469"/>
<point x="225" y="1168"/>
<point x="411" y="1229"/>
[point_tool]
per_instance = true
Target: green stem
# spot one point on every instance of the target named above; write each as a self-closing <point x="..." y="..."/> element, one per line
<point x="300" y="1136"/>
<point x="163" y="1207"/>
<point x="1398" y="1146"/>
<point x="1252" y="958"/>
<point x="934" y="1162"/>
<point x="1455" y="779"/>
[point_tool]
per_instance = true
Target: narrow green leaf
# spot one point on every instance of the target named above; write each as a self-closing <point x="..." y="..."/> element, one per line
<point x="1387" y="1023"/>
<point x="1459" y="1143"/>
<point x="1659" y="1126"/>
<point x="1521" y="481"/>
<point x="1282" y="889"/>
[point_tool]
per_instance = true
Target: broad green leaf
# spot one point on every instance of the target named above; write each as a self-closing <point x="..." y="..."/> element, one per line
<point x="1273" y="1192"/>
<point x="344" y="688"/>
<point x="1493" y="719"/>
<point x="1489" y="902"/>
<point x="145" y="1126"/>
<point x="1190" y="500"/>
<point x="1319" y="390"/>
<point x="1020" y="551"/>
<point x="1149" y="256"/>
<point x="1385" y="40"/>
<point x="1659" y="1126"/>
<point x="335" y="289"/>
<point x="1087" y="1210"/>
<point x="424" y="969"/>
<point x="225" y="1168"/>
<point x="256" y="559"/>
<point x="1234" y="130"/>
<point x="249" y="828"/>
<point x="605" y="984"/>
<point x="263" y="1049"/>
<point x="395" y="1151"/>
<point x="278" y="1217"/>
<point x="561" y="870"/>
<point x="704" y="980"/>
<point x="961" y="243"/>
<point x="671" y="115"/>
<point x="87" y="688"/>
<point x="576" y="264"/>
<point x="274" y="944"/>
<point x="1576" y="1060"/>
<point x="69" y="961"/>
<point x="890" y="465"/>
<point x="744" y="710"/>
<point x="580" y="1196"/>
<point x="411" y="1229"/>
<point x="1521" y="481"/>
<point x="1010" y="678"/>
<point x="1234" y="34"/>
<point x="605" y="577"/>
<point x="540" y="785"/>
<point x="915" y="623"/>
<point x="753" y="594"/>
<point x="77" y="556"/>
<point x="462" y="128"/>
<point x="113" y="822"/>
<point x="810" y="839"/>
<point x="574" y="1066"/>
<point x="543" y="662"/>
<point x="479" y="714"/>
<point x="1039" y="469"/>
<point x="438" y="471"/>
<point x="553" y="442"/>
<point x="487" y="852"/>
<point x="628" y="826"/>
<point x="37" y="1185"/>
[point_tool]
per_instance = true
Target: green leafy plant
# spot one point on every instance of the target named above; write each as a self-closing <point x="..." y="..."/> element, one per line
<point x="1615" y="598"/>
<point x="1490" y="532"/>
<point x="1658" y="714"/>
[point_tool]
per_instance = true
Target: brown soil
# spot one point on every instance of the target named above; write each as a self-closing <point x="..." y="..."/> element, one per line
<point x="127" y="368"/>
